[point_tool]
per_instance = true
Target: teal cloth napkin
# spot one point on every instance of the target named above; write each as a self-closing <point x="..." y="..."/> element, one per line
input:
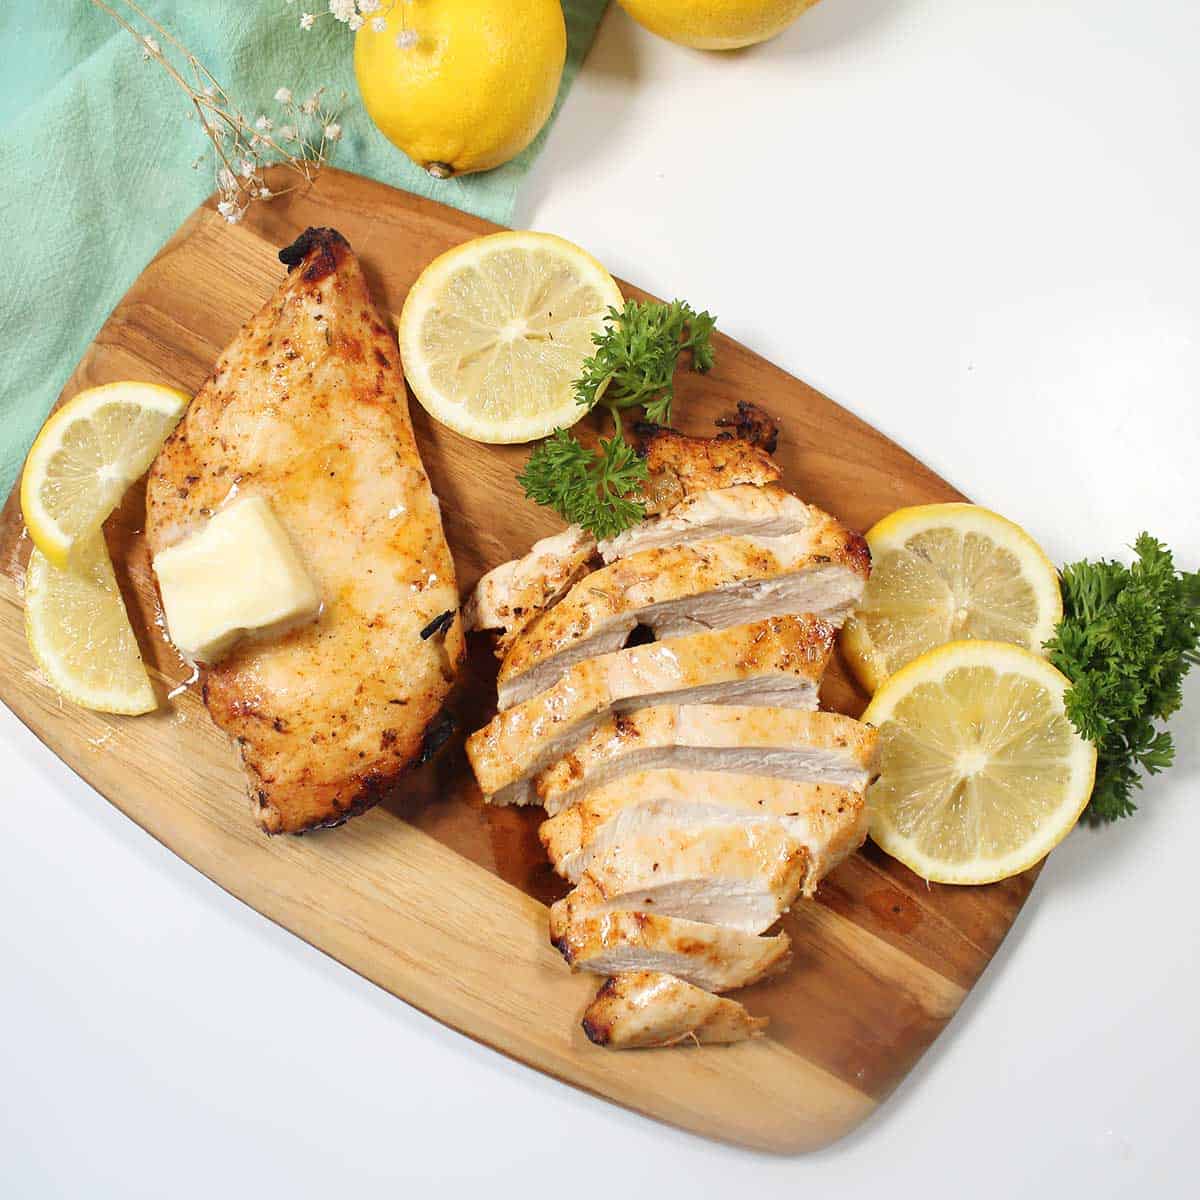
<point x="96" y="153"/>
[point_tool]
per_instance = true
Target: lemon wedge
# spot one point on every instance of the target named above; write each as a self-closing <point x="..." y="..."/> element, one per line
<point x="494" y="333"/>
<point x="86" y="456"/>
<point x="982" y="773"/>
<point x="80" y="634"/>
<point x="941" y="572"/>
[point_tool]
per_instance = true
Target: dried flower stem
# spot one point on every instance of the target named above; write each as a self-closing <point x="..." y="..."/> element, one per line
<point x="240" y="149"/>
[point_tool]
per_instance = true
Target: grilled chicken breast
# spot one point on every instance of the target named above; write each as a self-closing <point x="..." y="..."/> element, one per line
<point x="307" y="408"/>
<point x="741" y="876"/>
<point x="742" y="511"/>
<point x="777" y="662"/>
<point x="645" y="1009"/>
<point x="680" y="466"/>
<point x="515" y="593"/>
<point x="781" y="743"/>
<point x="712" y="958"/>
<point x="829" y="822"/>
<point x="678" y="590"/>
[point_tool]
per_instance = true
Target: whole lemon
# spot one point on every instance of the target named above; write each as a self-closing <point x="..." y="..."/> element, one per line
<point x="462" y="85"/>
<point x="716" y="24"/>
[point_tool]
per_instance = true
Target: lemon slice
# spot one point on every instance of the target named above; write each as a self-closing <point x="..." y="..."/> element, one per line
<point x="982" y="773"/>
<point x="494" y="332"/>
<point x="87" y="454"/>
<point x="80" y="635"/>
<point x="940" y="572"/>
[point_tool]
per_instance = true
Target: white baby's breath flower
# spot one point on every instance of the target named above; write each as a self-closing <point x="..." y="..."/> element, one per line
<point x="367" y="7"/>
<point x="379" y="24"/>
<point x="406" y="39"/>
<point x="242" y="145"/>
<point x="355" y="23"/>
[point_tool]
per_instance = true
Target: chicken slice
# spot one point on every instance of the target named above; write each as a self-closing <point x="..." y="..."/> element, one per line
<point x="743" y="511"/>
<point x="829" y="822"/>
<point x="741" y="876"/>
<point x="777" y="662"/>
<point x="781" y="743"/>
<point x="644" y="1009"/>
<point x="677" y="590"/>
<point x="515" y="593"/>
<point x="307" y="409"/>
<point x="680" y="466"/>
<point x="712" y="958"/>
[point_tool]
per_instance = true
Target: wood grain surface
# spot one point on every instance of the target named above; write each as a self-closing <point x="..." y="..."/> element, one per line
<point x="432" y="896"/>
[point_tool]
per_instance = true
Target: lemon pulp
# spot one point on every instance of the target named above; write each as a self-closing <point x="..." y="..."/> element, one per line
<point x="982" y="772"/>
<point x="944" y="572"/>
<point x="494" y="333"/>
<point x="80" y="635"/>
<point x="86" y="456"/>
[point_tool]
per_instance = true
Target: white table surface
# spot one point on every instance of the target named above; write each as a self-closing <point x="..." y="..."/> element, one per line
<point x="975" y="225"/>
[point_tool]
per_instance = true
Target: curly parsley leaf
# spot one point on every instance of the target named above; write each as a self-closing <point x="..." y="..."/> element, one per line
<point x="1128" y="637"/>
<point x="634" y="366"/>
<point x="637" y="355"/>
<point x="586" y="487"/>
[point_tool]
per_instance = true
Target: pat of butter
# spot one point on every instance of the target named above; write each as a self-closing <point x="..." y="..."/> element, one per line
<point x="238" y="575"/>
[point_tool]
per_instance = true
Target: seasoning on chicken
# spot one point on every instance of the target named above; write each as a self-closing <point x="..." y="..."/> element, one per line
<point x="777" y="662"/>
<point x="741" y="876"/>
<point x="679" y="466"/>
<point x="644" y="1009"/>
<point x="709" y="956"/>
<point x="515" y="593"/>
<point x="781" y="743"/>
<point x="677" y="590"/>
<point x="829" y="822"/>
<point x="740" y="511"/>
<point x="307" y="408"/>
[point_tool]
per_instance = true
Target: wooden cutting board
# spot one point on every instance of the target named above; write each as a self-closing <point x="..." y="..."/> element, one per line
<point x="434" y="897"/>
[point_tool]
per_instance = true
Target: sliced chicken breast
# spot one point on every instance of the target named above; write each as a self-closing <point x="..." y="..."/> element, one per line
<point x="680" y="466"/>
<point x="644" y="1009"/>
<point x="829" y="822"/>
<point x="678" y="590"/>
<point x="515" y="593"/>
<point x="708" y="956"/>
<point x="780" y="743"/>
<point x="744" y="511"/>
<point x="741" y="876"/>
<point x="777" y="662"/>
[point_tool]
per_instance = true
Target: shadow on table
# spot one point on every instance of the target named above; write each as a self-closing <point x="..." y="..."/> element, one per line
<point x="829" y="24"/>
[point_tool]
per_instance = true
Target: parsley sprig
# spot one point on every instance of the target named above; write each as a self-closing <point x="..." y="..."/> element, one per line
<point x="586" y="487"/>
<point x="636" y="356"/>
<point x="634" y="366"/>
<point x="1127" y="638"/>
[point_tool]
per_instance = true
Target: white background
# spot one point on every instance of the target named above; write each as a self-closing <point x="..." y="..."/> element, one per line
<point x="973" y="223"/>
